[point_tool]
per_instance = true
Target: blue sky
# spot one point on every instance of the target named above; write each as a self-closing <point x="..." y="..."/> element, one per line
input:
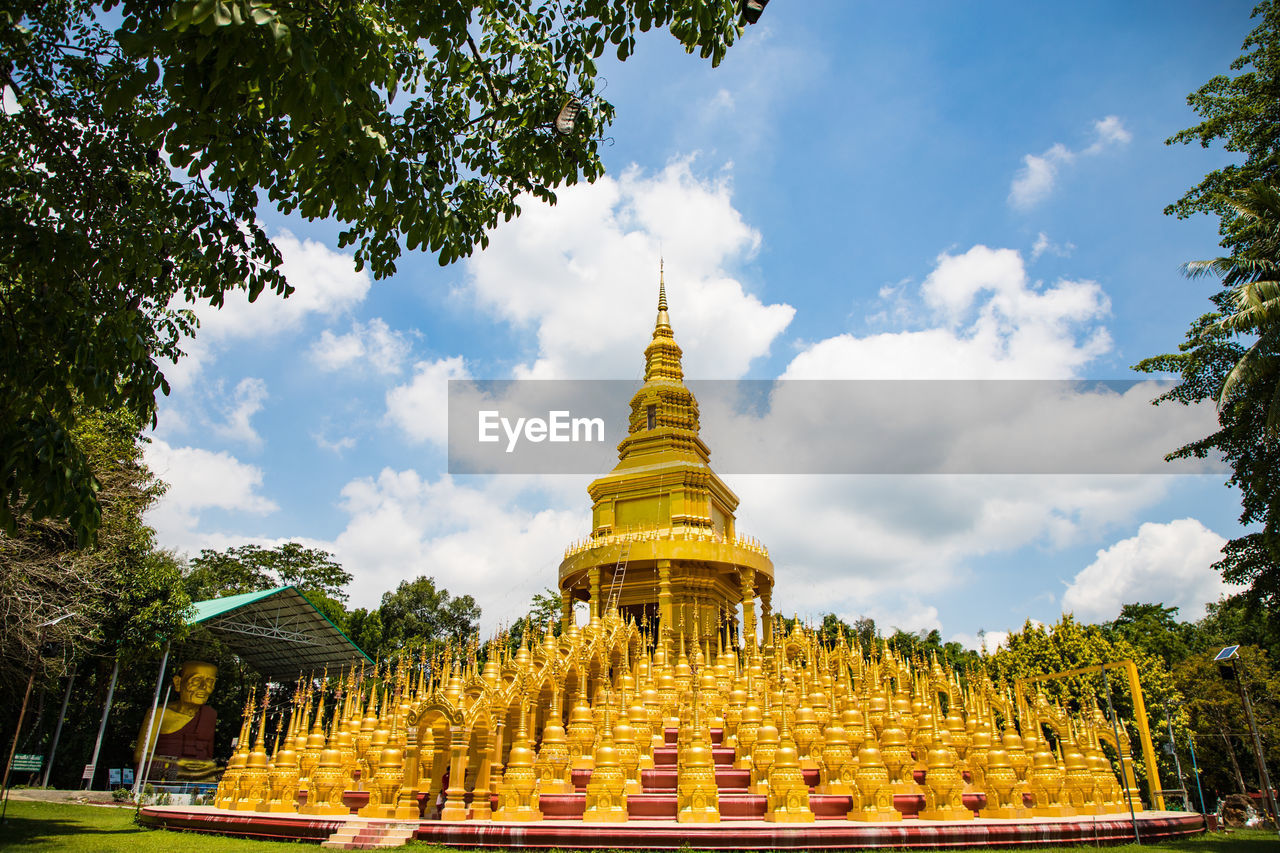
<point x="859" y="191"/>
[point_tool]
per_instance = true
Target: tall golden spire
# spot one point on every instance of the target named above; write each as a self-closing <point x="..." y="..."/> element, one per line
<point x="662" y="356"/>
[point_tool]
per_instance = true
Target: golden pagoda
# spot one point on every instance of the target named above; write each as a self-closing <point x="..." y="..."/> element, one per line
<point x="663" y="546"/>
<point x="658" y="709"/>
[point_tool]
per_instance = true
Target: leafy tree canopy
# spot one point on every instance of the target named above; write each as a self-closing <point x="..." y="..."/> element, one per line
<point x="544" y="608"/>
<point x="250" y="568"/>
<point x="134" y="161"/>
<point x="1243" y="112"/>
<point x="121" y="594"/>
<point x="1040" y="650"/>
<point x="1231" y="356"/>
<point x="1156" y="629"/>
<point x="418" y="612"/>
<point x="1216" y="715"/>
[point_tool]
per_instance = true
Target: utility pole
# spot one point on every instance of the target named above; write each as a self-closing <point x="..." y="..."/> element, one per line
<point x="1230" y="667"/>
<point x="1177" y="763"/>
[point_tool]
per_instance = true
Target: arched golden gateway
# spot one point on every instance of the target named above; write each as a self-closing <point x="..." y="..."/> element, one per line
<point x="663" y="547"/>
<point x="657" y="709"/>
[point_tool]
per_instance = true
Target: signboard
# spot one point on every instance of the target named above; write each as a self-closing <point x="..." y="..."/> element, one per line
<point x="128" y="775"/>
<point x="88" y="771"/>
<point x="27" y="761"/>
<point x="113" y="776"/>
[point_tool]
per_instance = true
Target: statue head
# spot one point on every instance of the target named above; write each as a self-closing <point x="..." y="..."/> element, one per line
<point x="195" y="681"/>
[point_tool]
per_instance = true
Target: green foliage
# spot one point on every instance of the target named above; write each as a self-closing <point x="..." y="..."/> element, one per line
<point x="1232" y="621"/>
<point x="96" y="241"/>
<point x="1039" y="650"/>
<point x="251" y="568"/>
<point x="119" y="592"/>
<point x="1155" y="629"/>
<point x="543" y="609"/>
<point x="364" y="628"/>
<point x="124" y="596"/>
<point x="1244" y="113"/>
<point x="925" y="645"/>
<point x="1217" y="719"/>
<point x="1243" y="379"/>
<point x="1245" y="383"/>
<point x="417" y="614"/>
<point x="414" y="616"/>
<point x="416" y="124"/>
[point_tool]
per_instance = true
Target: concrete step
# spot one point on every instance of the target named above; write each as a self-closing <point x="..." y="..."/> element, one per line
<point x="667" y="755"/>
<point x="371" y="835"/>
<point x="662" y="806"/>
<point x="672" y="735"/>
<point x="727" y="778"/>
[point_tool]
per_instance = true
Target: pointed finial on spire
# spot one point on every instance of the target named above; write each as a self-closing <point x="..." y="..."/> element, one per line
<point x="662" y="356"/>
<point x="662" y="320"/>
<point x="662" y="287"/>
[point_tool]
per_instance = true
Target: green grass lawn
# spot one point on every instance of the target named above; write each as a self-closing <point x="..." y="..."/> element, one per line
<point x="64" y="828"/>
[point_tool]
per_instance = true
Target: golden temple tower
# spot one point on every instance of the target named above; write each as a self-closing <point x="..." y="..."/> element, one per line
<point x="663" y="543"/>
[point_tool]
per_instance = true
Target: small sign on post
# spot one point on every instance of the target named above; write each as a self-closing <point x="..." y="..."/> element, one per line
<point x="25" y="761"/>
<point x="113" y="776"/>
<point x="128" y="775"/>
<point x="88" y="772"/>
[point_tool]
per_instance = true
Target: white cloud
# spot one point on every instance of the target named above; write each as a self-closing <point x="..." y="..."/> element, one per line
<point x="421" y="407"/>
<point x="373" y="345"/>
<point x="199" y="480"/>
<point x="1043" y="244"/>
<point x="1110" y="132"/>
<point x="246" y="401"/>
<point x="1036" y="179"/>
<point x="891" y="546"/>
<point x="476" y="540"/>
<point x="582" y="276"/>
<point x="994" y="323"/>
<point x="1039" y="172"/>
<point x="325" y="283"/>
<point x="1170" y="564"/>
<point x="722" y="100"/>
<point x="336" y="446"/>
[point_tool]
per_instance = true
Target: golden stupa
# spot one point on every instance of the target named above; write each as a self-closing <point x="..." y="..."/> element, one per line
<point x="663" y="549"/>
<point x="668" y="703"/>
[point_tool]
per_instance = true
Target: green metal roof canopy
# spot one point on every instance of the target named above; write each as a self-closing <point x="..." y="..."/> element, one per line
<point x="278" y="632"/>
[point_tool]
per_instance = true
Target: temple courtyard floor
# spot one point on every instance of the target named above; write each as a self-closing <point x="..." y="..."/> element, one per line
<point x="44" y="825"/>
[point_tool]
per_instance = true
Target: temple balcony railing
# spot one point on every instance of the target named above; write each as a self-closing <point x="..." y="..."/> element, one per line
<point x="668" y="533"/>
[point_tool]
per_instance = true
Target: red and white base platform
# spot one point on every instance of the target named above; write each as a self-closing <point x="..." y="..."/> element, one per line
<point x="729" y="835"/>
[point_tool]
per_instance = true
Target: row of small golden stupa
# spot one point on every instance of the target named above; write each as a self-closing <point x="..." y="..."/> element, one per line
<point x="888" y="734"/>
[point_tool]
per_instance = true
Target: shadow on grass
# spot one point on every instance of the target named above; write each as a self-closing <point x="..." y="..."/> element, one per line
<point x="20" y="831"/>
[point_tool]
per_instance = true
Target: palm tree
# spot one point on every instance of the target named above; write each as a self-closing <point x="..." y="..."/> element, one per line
<point x="1251" y="277"/>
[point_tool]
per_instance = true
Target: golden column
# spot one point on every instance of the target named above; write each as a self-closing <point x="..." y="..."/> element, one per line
<point x="665" y="612"/>
<point x="594" y="576"/>
<point x="766" y="616"/>
<point x="747" y="580"/>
